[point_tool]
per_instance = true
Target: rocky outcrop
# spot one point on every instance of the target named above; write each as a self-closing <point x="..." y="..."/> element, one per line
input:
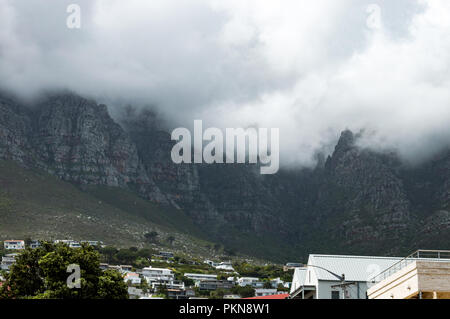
<point x="362" y="189"/>
<point x="14" y="131"/>
<point x="75" y="139"/>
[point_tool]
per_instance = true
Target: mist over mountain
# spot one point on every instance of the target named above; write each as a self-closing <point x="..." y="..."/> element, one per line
<point x="360" y="90"/>
<point x="311" y="69"/>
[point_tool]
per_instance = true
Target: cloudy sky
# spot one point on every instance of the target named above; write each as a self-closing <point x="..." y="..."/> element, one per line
<point x="310" y="68"/>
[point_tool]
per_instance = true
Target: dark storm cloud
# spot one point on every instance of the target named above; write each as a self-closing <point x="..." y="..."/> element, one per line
<point x="310" y="68"/>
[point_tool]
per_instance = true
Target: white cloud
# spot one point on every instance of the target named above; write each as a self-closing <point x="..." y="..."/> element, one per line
<point x="310" y="68"/>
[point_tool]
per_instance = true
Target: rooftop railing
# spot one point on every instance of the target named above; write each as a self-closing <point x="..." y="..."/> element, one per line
<point x="436" y="255"/>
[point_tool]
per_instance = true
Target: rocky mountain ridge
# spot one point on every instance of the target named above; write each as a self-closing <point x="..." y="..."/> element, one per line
<point x="358" y="201"/>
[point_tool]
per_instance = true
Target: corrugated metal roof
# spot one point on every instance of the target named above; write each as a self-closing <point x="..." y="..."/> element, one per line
<point x="355" y="268"/>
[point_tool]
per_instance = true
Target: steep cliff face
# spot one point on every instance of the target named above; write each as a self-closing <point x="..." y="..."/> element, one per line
<point x="362" y="190"/>
<point x="225" y="199"/>
<point x="357" y="201"/>
<point x="74" y="139"/>
<point x="14" y="131"/>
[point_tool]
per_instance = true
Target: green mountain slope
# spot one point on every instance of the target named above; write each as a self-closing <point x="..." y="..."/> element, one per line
<point x="38" y="205"/>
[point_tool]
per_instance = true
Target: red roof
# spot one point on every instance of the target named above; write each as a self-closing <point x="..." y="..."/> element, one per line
<point x="281" y="296"/>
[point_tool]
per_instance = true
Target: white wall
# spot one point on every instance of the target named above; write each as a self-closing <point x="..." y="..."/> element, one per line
<point x="324" y="290"/>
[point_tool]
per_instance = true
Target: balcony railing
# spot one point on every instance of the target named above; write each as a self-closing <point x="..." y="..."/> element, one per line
<point x="436" y="255"/>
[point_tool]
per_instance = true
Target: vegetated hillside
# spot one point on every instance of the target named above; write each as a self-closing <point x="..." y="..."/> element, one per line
<point x="38" y="205"/>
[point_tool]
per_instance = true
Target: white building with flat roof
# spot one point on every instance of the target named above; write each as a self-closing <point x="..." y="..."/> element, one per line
<point x="337" y="277"/>
<point x="425" y="274"/>
<point x="14" y="244"/>
<point x="7" y="261"/>
<point x="262" y="292"/>
<point x="200" y="277"/>
<point x="133" y="278"/>
<point x="35" y="244"/>
<point x="249" y="281"/>
<point x="158" y="276"/>
<point x="68" y="242"/>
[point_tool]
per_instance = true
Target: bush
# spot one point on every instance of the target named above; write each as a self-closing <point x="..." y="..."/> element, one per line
<point x="42" y="273"/>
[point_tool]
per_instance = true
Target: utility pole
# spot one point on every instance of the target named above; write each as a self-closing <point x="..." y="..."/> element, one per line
<point x="343" y="285"/>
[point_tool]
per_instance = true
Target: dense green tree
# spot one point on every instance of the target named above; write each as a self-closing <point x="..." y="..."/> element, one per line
<point x="264" y="272"/>
<point x="244" y="292"/>
<point x="126" y="256"/>
<point x="108" y="287"/>
<point x="267" y="285"/>
<point x="144" y="286"/>
<point x="108" y="252"/>
<point x="145" y="253"/>
<point x="170" y="239"/>
<point x="43" y="273"/>
<point x="217" y="294"/>
<point x="162" y="290"/>
<point x="151" y="236"/>
<point x="188" y="282"/>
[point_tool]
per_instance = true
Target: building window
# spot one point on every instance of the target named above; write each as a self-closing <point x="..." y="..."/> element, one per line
<point x="335" y="295"/>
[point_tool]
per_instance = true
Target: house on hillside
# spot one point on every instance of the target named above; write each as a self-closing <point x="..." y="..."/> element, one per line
<point x="35" y="244"/>
<point x="165" y="254"/>
<point x="68" y="242"/>
<point x="337" y="277"/>
<point x="290" y="266"/>
<point x="249" y="281"/>
<point x="214" y="284"/>
<point x="133" y="278"/>
<point x="7" y="261"/>
<point x="224" y="265"/>
<point x="200" y="277"/>
<point x="159" y="276"/>
<point x="135" y="293"/>
<point x="262" y="292"/>
<point x="14" y="244"/>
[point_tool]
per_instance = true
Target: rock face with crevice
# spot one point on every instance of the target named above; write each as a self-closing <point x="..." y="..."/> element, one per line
<point x="356" y="201"/>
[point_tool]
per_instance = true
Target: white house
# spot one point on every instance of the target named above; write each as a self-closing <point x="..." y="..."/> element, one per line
<point x="7" y="261"/>
<point x="224" y="265"/>
<point x="210" y="262"/>
<point x="231" y="296"/>
<point x="277" y="281"/>
<point x="158" y="276"/>
<point x="68" y="242"/>
<point x="135" y="293"/>
<point x="35" y="244"/>
<point x="261" y="292"/>
<point x="133" y="278"/>
<point x="14" y="244"/>
<point x="200" y="277"/>
<point x="249" y="281"/>
<point x="337" y="277"/>
<point x="91" y="242"/>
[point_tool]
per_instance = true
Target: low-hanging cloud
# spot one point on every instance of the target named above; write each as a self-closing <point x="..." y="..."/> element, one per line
<point x="311" y="68"/>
